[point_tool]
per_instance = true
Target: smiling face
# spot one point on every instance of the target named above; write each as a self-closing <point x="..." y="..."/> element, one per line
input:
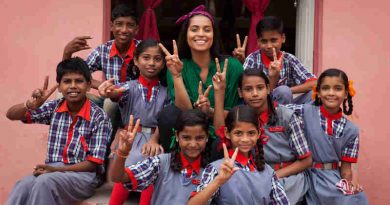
<point x="192" y="141"/>
<point x="269" y="40"/>
<point x="332" y="93"/>
<point x="74" y="87"/>
<point x="254" y="91"/>
<point x="200" y="33"/>
<point x="150" y="62"/>
<point x="244" y="135"/>
<point x="124" y="30"/>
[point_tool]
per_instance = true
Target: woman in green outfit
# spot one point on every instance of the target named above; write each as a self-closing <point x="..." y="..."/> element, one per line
<point x="191" y="68"/>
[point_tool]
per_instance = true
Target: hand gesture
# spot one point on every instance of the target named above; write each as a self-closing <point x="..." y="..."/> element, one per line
<point x="174" y="64"/>
<point x="77" y="44"/>
<point x="203" y="102"/>
<point x="126" y="137"/>
<point x="276" y="65"/>
<point x="108" y="90"/>
<point x="219" y="79"/>
<point x="227" y="169"/>
<point x="43" y="169"/>
<point x="239" y="52"/>
<point x="39" y="96"/>
<point x="152" y="148"/>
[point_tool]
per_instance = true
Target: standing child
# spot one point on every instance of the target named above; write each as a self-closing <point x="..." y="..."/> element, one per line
<point x="144" y="98"/>
<point x="332" y="139"/>
<point x="78" y="135"/>
<point x="253" y="181"/>
<point x="173" y="175"/>
<point x="285" y="146"/>
<point x="286" y="73"/>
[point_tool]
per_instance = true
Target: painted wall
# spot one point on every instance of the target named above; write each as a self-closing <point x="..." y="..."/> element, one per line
<point x="33" y="36"/>
<point x="354" y="37"/>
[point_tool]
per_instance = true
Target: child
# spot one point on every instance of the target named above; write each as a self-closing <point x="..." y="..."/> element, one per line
<point x="332" y="139"/>
<point x="285" y="146"/>
<point x="78" y="135"/>
<point x="253" y="181"/>
<point x="173" y="175"/>
<point x="144" y="98"/>
<point x="286" y="73"/>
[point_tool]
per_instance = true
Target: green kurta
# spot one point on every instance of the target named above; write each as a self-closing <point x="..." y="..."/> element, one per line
<point x="191" y="78"/>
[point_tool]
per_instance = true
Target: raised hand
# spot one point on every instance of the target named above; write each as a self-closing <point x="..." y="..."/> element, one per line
<point x="203" y="102"/>
<point x="239" y="52"/>
<point x="108" y="90"/>
<point x="276" y="65"/>
<point x="227" y="169"/>
<point x="219" y="79"/>
<point x="126" y="137"/>
<point x="39" y="96"/>
<point x="77" y="44"/>
<point x="173" y="62"/>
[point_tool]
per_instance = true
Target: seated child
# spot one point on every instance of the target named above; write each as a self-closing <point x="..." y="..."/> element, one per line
<point x="286" y="73"/>
<point x="78" y="134"/>
<point x="174" y="175"/>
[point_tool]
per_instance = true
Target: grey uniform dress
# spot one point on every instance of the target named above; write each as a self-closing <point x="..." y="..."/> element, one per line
<point x="170" y="187"/>
<point x="133" y="102"/>
<point x="285" y="143"/>
<point x="328" y="149"/>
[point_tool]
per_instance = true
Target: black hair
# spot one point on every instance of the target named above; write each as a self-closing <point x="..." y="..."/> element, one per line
<point x="145" y="44"/>
<point x="184" y="49"/>
<point x="272" y="117"/>
<point x="244" y="113"/>
<point x="334" y="72"/>
<point x="191" y="118"/>
<point x="73" y="65"/>
<point x="269" y="23"/>
<point x="122" y="10"/>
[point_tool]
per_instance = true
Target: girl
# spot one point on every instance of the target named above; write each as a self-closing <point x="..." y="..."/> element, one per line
<point x="285" y="145"/>
<point x="253" y="181"/>
<point x="144" y="98"/>
<point x="173" y="175"/>
<point x="332" y="139"/>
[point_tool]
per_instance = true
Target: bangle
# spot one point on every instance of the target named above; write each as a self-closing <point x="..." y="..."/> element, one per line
<point x="121" y="155"/>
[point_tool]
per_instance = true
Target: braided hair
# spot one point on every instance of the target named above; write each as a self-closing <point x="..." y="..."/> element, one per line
<point x="334" y="72"/>
<point x="190" y="118"/>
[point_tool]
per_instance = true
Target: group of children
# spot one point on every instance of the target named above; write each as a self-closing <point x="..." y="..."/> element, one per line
<point x="274" y="152"/>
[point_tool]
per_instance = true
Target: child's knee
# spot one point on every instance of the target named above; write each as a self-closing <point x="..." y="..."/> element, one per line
<point x="282" y="94"/>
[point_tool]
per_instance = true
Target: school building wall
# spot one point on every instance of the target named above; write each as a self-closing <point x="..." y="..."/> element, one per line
<point x="354" y="37"/>
<point x="33" y="35"/>
<point x="350" y="36"/>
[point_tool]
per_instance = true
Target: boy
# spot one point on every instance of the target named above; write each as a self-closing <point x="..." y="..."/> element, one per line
<point x="78" y="136"/>
<point x="112" y="58"/>
<point x="286" y="73"/>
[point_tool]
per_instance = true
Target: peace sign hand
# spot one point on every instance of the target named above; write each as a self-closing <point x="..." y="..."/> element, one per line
<point x="219" y="79"/>
<point x="239" y="52"/>
<point x="126" y="137"/>
<point x="173" y="62"/>
<point x="39" y="96"/>
<point x="108" y="90"/>
<point x="276" y="65"/>
<point x="227" y="169"/>
<point x="203" y="102"/>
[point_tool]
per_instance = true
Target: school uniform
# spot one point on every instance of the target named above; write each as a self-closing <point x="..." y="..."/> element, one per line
<point x="144" y="100"/>
<point x="70" y="141"/>
<point x="332" y="138"/>
<point x="293" y="73"/>
<point x="283" y="144"/>
<point x="246" y="186"/>
<point x="170" y="187"/>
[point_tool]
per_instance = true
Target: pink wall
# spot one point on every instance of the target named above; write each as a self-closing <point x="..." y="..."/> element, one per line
<point x="354" y="37"/>
<point x="32" y="38"/>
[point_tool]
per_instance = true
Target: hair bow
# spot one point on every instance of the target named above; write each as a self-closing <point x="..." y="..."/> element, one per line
<point x="200" y="10"/>
<point x="351" y="89"/>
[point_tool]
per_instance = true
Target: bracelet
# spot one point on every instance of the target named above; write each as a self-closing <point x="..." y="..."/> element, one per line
<point x="119" y="154"/>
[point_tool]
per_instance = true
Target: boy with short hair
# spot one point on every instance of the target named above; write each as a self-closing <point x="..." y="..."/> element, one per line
<point x="286" y="73"/>
<point x="78" y="136"/>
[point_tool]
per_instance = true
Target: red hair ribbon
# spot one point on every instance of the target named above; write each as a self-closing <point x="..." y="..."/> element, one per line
<point x="200" y="10"/>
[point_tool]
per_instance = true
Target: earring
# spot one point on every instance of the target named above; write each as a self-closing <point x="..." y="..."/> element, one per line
<point x="177" y="140"/>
